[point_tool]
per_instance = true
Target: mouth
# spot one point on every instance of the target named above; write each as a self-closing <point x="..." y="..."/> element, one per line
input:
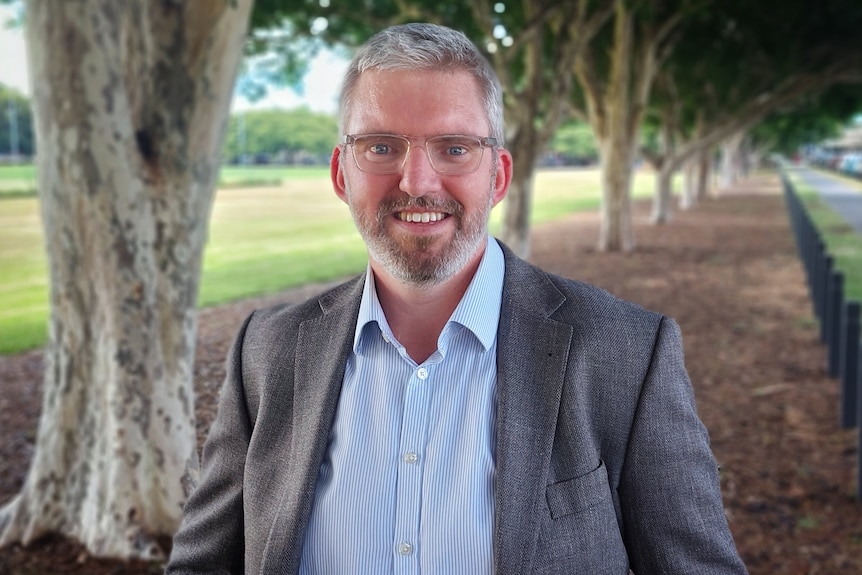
<point x="421" y="217"/>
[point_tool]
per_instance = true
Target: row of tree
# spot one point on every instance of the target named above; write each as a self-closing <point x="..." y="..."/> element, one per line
<point x="131" y="103"/>
<point x="705" y="72"/>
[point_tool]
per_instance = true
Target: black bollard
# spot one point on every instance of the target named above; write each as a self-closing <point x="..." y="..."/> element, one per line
<point x="834" y="311"/>
<point x="821" y="289"/>
<point x="851" y="378"/>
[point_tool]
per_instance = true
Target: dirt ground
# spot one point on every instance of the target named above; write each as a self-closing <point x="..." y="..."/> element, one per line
<point x="729" y="274"/>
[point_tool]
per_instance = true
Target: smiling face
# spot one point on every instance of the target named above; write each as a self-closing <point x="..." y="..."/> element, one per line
<point x="419" y="226"/>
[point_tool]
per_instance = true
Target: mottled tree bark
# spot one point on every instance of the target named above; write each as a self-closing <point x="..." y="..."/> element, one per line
<point x="130" y="102"/>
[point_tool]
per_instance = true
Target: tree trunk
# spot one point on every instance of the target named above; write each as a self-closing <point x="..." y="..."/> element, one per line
<point x="519" y="200"/>
<point x="704" y="172"/>
<point x="617" y="140"/>
<point x="615" y="231"/>
<point x="665" y="170"/>
<point x="688" y="198"/>
<point x="130" y="101"/>
<point x="730" y="164"/>
<point x="661" y="205"/>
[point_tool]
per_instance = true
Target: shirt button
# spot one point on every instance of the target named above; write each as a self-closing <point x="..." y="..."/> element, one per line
<point x="422" y="373"/>
<point x="405" y="548"/>
<point x="410" y="457"/>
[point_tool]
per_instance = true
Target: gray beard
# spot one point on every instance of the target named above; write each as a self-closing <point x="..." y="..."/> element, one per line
<point x="409" y="260"/>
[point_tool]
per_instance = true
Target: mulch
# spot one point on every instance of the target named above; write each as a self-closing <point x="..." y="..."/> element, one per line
<point x="728" y="272"/>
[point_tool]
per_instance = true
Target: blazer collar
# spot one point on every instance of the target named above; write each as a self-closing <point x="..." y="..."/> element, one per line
<point x="323" y="345"/>
<point x="532" y="355"/>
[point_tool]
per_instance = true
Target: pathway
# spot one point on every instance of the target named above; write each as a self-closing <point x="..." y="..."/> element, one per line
<point x="843" y="196"/>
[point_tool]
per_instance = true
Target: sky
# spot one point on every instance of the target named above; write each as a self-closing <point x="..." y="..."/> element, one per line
<point x="320" y="93"/>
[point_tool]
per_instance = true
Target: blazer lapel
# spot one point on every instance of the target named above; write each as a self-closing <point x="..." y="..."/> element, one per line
<point x="323" y="345"/>
<point x="532" y="354"/>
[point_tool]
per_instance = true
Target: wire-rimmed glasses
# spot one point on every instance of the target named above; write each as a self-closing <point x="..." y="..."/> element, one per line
<point x="450" y="154"/>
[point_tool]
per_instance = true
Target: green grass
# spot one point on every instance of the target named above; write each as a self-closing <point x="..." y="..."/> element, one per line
<point x="842" y="241"/>
<point x="262" y="239"/>
<point x="236" y="176"/>
<point x="17" y="180"/>
<point x="20" y="180"/>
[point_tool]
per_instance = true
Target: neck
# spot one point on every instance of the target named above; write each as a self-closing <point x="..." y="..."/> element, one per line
<point x="417" y="314"/>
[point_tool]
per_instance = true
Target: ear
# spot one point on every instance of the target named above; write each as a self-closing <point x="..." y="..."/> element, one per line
<point x="503" y="177"/>
<point x="336" y="172"/>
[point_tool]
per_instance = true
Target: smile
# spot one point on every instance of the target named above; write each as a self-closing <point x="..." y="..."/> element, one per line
<point x="420" y="217"/>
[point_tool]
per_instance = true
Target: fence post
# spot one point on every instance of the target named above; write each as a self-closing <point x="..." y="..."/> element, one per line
<point x="834" y="309"/>
<point x="851" y="378"/>
<point x="859" y="425"/>
<point x="821" y="288"/>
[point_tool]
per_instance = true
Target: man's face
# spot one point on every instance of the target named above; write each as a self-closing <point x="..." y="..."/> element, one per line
<point x="420" y="226"/>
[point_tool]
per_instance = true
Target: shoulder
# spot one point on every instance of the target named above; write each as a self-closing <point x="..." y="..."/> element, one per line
<point x="275" y="323"/>
<point x="571" y="301"/>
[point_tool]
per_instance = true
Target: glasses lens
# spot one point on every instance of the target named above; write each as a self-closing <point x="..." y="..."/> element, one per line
<point x="454" y="154"/>
<point x="379" y="153"/>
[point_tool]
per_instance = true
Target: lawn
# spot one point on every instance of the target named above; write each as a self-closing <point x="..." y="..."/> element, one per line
<point x="17" y="180"/>
<point x="287" y="229"/>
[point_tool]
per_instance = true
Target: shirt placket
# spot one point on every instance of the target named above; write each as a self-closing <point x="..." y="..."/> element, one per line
<point x="408" y="513"/>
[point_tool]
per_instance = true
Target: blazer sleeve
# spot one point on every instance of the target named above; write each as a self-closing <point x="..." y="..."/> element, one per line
<point x="210" y="539"/>
<point x="669" y="490"/>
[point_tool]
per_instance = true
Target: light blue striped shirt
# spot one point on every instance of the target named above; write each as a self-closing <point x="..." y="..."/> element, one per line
<point x="407" y="483"/>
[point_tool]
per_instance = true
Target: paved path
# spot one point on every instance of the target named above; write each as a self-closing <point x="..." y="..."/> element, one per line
<point x="843" y="196"/>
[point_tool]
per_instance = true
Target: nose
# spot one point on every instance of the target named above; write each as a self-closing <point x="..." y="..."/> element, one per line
<point x="418" y="177"/>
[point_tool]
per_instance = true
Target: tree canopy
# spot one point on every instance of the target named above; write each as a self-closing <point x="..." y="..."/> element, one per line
<point x="280" y="136"/>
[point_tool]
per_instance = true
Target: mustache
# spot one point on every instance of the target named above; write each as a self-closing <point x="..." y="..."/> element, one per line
<point x="408" y="203"/>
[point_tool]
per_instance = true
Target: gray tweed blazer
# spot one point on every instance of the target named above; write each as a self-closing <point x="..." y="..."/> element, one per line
<point x="602" y="463"/>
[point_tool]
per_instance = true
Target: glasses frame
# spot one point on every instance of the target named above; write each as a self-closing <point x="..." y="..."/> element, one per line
<point x="484" y="142"/>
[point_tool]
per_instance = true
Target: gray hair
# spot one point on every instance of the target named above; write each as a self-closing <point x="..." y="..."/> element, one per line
<point x="419" y="46"/>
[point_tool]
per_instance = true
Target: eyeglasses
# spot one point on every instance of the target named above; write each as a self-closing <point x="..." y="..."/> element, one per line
<point x="447" y="154"/>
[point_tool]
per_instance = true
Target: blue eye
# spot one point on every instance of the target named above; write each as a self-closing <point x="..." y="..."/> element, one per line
<point x="458" y="150"/>
<point x="379" y="149"/>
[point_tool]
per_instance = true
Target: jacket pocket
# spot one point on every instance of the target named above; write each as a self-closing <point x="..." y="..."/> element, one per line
<point x="580" y="493"/>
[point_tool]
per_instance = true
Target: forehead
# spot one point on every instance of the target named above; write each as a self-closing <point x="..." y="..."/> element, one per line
<point x="417" y="102"/>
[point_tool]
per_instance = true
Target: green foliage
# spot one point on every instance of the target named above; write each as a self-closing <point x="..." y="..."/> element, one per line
<point x="280" y="136"/>
<point x="740" y="59"/>
<point x="574" y="142"/>
<point x="816" y="118"/>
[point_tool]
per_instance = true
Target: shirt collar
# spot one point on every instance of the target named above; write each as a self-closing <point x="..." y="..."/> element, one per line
<point x="478" y="310"/>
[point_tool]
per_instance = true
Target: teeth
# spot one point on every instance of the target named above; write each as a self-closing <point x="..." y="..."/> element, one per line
<point x="423" y="217"/>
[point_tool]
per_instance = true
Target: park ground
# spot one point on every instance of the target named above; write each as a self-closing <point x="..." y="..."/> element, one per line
<point x="728" y="272"/>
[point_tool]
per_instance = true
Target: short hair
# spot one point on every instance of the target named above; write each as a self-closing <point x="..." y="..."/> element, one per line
<point x="421" y="46"/>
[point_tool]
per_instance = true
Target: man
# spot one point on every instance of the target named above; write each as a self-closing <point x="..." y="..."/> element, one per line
<point x="454" y="410"/>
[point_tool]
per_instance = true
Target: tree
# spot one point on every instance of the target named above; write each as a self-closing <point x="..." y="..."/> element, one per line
<point x="129" y="100"/>
<point x="815" y="119"/>
<point x="616" y="75"/>
<point x="16" y="124"/>
<point x="737" y="64"/>
<point x="281" y="135"/>
<point x="574" y="143"/>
